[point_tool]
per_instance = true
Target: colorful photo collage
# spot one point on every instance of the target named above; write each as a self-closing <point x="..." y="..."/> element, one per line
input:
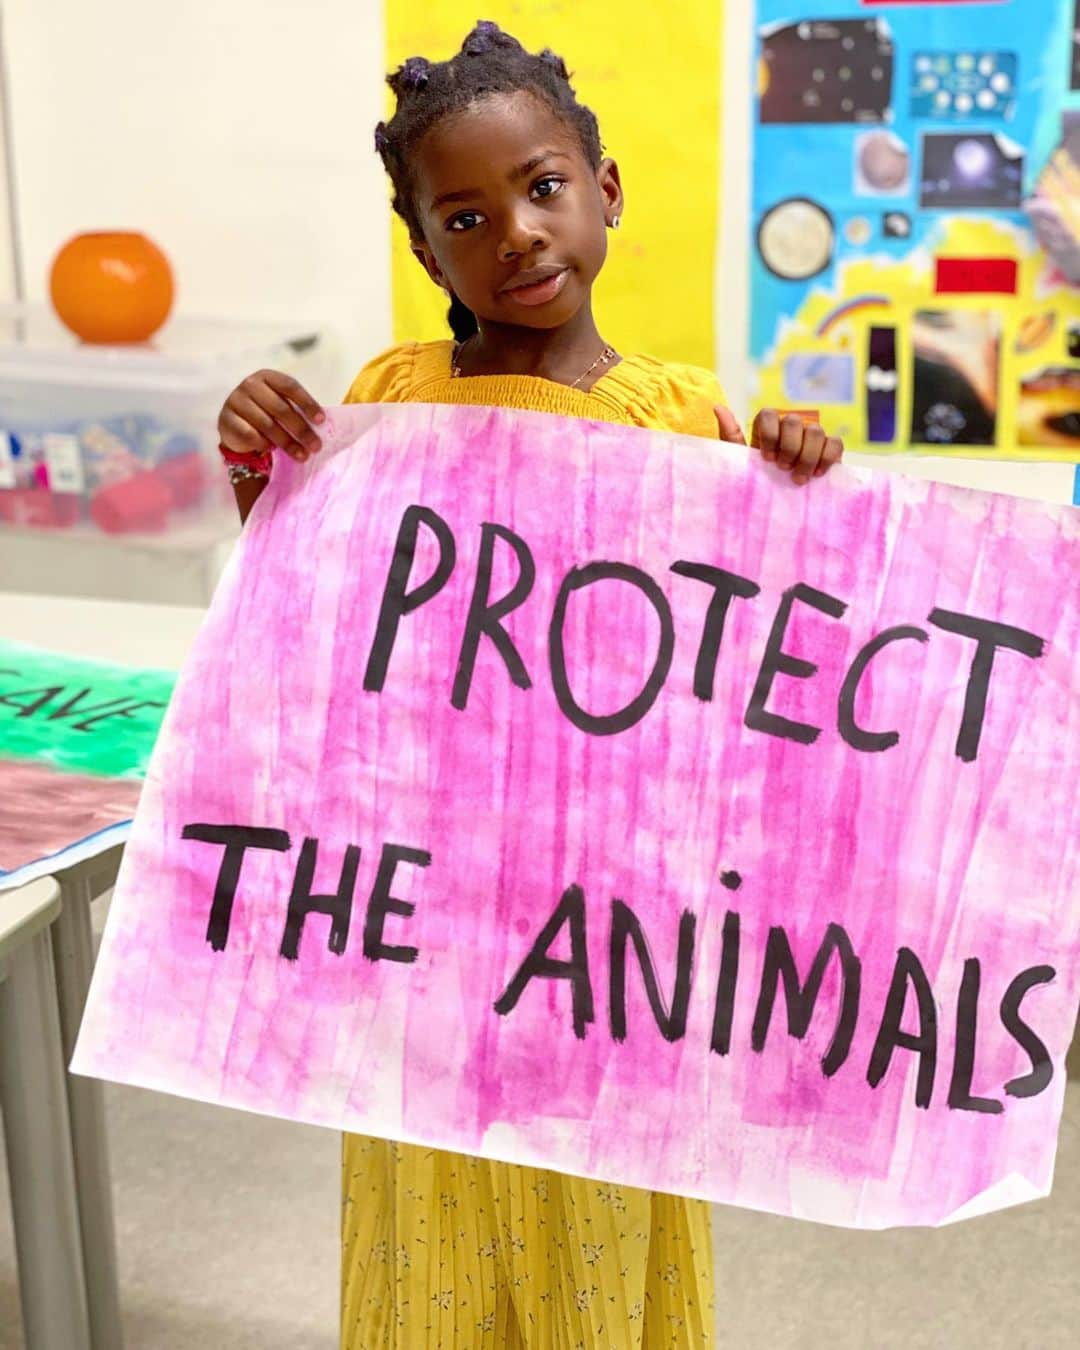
<point x="916" y="222"/>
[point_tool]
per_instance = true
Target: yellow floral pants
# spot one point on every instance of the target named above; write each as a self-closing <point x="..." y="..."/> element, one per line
<point x="445" y="1252"/>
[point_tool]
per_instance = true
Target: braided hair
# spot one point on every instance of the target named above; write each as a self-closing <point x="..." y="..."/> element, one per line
<point x="489" y="62"/>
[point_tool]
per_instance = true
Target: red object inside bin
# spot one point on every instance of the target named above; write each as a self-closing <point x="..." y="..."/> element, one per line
<point x="140" y="503"/>
<point x="43" y="510"/>
<point x="184" y="476"/>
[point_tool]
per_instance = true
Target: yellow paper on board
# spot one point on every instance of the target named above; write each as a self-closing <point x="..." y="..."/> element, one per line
<point x="652" y="76"/>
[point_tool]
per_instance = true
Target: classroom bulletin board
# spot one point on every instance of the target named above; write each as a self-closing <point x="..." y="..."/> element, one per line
<point x="915" y="249"/>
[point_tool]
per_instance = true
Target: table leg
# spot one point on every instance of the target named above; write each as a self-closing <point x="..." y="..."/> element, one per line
<point x="73" y="949"/>
<point x="33" y="1098"/>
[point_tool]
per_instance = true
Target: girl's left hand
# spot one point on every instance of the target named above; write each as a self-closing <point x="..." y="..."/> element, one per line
<point x="806" y="451"/>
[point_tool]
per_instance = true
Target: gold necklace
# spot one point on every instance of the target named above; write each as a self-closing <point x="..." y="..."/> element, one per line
<point x="608" y="354"/>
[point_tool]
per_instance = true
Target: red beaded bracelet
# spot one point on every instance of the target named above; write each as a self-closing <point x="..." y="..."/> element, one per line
<point x="261" y="462"/>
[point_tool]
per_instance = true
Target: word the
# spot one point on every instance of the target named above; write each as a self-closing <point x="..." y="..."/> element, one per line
<point x="237" y="839"/>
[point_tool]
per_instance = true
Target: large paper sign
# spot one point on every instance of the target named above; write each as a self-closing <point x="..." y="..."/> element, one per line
<point x="915" y="225"/>
<point x="590" y="797"/>
<point x="75" y="739"/>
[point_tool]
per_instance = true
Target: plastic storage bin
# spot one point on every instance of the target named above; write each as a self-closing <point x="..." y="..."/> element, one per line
<point x="123" y="439"/>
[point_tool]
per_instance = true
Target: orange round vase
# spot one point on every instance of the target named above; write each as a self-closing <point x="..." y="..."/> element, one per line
<point x="112" y="286"/>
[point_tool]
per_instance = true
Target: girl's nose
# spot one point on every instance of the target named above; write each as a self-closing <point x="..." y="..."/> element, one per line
<point x="519" y="237"/>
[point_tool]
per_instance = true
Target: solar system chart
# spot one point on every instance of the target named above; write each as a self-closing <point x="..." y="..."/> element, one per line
<point x="916" y="222"/>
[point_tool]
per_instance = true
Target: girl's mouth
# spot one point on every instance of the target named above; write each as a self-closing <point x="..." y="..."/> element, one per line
<point x="540" y="292"/>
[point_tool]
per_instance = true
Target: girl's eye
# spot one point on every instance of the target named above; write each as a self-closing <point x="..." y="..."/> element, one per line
<point x="466" y="220"/>
<point x="548" y="186"/>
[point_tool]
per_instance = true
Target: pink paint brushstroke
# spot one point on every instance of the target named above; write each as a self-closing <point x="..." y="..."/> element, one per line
<point x="270" y="727"/>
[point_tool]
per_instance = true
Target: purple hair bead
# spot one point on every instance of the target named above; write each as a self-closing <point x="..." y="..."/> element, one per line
<point x="414" y="73"/>
<point x="482" y="38"/>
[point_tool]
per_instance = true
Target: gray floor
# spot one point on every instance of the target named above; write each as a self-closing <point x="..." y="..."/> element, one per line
<point x="226" y="1229"/>
<point x="215" y="1253"/>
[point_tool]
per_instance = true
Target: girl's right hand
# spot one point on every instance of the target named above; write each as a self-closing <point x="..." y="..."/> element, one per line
<point x="267" y="411"/>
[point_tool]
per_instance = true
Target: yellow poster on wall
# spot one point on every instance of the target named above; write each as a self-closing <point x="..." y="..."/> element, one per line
<point x="652" y="76"/>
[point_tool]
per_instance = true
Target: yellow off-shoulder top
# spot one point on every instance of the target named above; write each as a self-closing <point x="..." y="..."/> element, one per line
<point x="639" y="391"/>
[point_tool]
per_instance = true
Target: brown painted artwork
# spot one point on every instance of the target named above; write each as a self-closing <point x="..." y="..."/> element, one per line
<point x="43" y="810"/>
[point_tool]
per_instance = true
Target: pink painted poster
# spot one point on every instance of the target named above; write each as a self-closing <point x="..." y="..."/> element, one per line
<point x="593" y="798"/>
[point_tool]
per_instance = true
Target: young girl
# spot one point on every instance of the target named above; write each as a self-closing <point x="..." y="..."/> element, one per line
<point x="497" y="172"/>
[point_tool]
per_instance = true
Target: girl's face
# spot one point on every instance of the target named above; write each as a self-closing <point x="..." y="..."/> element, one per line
<point x="514" y="217"/>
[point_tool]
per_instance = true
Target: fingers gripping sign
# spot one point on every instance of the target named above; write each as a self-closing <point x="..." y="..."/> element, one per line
<point x="728" y="423"/>
<point x="270" y="411"/>
<point x="794" y="442"/>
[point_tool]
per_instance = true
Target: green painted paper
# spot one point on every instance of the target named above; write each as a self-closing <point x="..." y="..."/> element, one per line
<point x="79" y="716"/>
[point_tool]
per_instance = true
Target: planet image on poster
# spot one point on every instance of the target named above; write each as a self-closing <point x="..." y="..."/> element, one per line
<point x="796" y="239"/>
<point x="896" y="225"/>
<point x="1035" y="331"/>
<point x="1049" y="409"/>
<point x="882" y="164"/>
<point x="858" y="231"/>
<point x="973" y="160"/>
<point x="978" y="171"/>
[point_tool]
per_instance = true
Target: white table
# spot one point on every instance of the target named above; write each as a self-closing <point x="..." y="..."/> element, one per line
<point x="102" y="630"/>
<point x="140" y="635"/>
<point x="33" y="1097"/>
<point x="180" y="566"/>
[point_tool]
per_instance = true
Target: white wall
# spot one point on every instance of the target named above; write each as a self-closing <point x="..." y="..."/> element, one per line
<point x="7" y="267"/>
<point x="237" y="133"/>
<point x="732" y="290"/>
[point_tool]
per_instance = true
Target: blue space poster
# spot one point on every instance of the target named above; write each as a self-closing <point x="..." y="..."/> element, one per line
<point x="916" y="221"/>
